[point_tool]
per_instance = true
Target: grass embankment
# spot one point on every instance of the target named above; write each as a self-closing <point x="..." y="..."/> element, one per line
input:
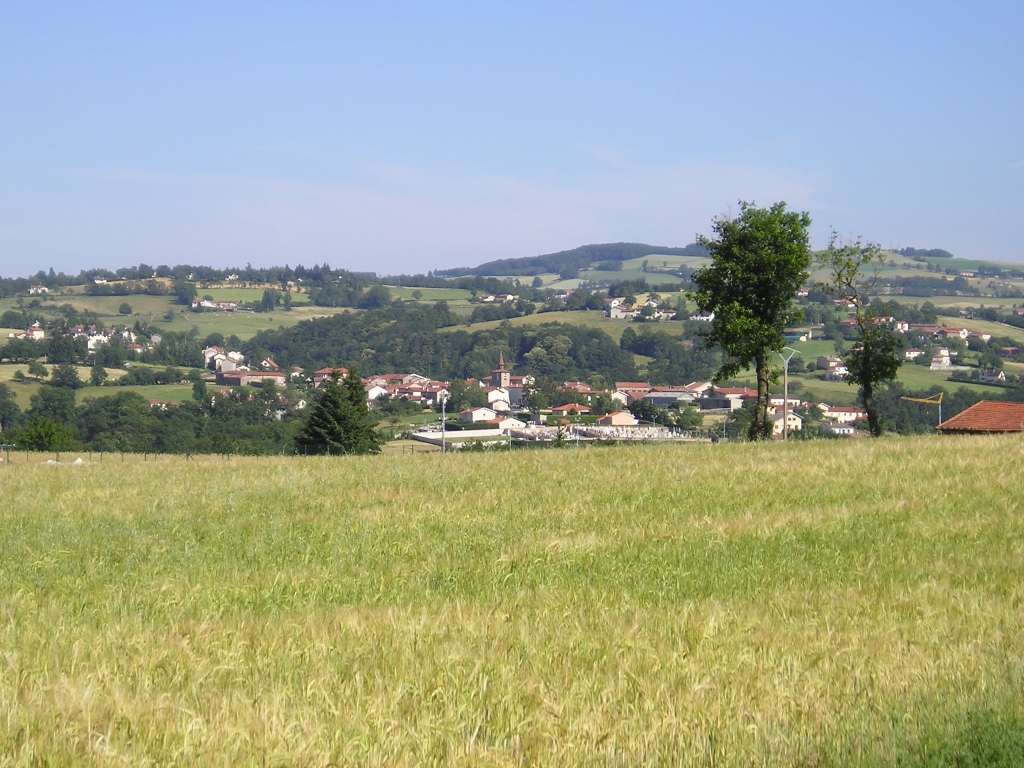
<point x="852" y="603"/>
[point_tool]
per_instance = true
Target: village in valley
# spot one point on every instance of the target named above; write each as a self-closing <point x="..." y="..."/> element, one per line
<point x="507" y="406"/>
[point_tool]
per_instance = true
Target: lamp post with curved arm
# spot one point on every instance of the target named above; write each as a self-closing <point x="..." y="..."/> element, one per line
<point x="785" y="391"/>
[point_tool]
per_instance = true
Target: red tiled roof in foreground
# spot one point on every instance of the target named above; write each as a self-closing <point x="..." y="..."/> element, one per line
<point x="987" y="416"/>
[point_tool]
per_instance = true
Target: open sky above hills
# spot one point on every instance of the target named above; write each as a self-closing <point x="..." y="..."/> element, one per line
<point x="410" y="137"/>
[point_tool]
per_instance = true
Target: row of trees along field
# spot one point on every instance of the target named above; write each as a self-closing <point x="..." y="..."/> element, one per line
<point x="240" y="421"/>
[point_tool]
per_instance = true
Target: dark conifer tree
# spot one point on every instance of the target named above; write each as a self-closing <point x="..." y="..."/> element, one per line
<point x="340" y="423"/>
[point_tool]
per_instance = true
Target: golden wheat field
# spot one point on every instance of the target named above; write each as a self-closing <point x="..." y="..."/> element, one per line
<point x="813" y="604"/>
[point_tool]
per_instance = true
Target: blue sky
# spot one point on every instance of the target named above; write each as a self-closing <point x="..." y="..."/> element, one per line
<point x="406" y="137"/>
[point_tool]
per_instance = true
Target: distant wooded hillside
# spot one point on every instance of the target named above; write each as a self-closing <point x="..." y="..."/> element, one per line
<point x="577" y="258"/>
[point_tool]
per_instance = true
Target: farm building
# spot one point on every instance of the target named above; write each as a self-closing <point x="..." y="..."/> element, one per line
<point x="617" y="419"/>
<point x="988" y="416"/>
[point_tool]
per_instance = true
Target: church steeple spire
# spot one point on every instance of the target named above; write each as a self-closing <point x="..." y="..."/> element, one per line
<point x="500" y="377"/>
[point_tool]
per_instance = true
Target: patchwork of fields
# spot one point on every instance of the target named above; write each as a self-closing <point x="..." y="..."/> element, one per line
<point x="854" y="603"/>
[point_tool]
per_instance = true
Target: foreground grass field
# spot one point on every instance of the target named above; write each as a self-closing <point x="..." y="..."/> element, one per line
<point x="855" y="603"/>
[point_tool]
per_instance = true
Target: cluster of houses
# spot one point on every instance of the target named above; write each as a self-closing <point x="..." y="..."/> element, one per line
<point x="942" y="357"/>
<point x="94" y="336"/>
<point x="618" y="310"/>
<point x="834" y="368"/>
<point x="708" y="397"/>
<point x="34" y="332"/>
<point x="942" y="333"/>
<point x="232" y="371"/>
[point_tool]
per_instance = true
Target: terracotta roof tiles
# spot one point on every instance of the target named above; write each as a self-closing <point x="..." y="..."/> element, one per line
<point x="987" y="416"/>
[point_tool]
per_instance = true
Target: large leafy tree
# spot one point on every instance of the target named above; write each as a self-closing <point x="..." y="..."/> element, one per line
<point x="54" y="403"/>
<point x="42" y="434"/>
<point x="65" y="375"/>
<point x="853" y="270"/>
<point x="759" y="260"/>
<point x="340" y="420"/>
<point x="9" y="411"/>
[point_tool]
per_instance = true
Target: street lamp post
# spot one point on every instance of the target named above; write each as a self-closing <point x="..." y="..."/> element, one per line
<point x="785" y="391"/>
<point x="444" y="402"/>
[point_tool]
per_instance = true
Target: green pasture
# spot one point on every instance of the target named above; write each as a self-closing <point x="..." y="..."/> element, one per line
<point x="813" y="349"/>
<point x="996" y="329"/>
<point x="23" y="391"/>
<point x="242" y="324"/>
<point x="972" y="265"/>
<point x="960" y="302"/>
<point x="915" y="377"/>
<point x="589" y="318"/>
<point x="241" y="295"/>
<point x="842" y="603"/>
<point x="153" y="309"/>
<point x="642" y="363"/>
<point x="171" y="393"/>
<point x="462" y="307"/>
<point x="630" y="274"/>
<point x="102" y="305"/>
<point x="921" y="377"/>
<point x="429" y="294"/>
<point x="663" y="261"/>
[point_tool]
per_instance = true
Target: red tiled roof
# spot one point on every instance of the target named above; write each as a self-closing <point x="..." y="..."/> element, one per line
<point x="741" y="391"/>
<point x="987" y="416"/>
<point x="570" y="407"/>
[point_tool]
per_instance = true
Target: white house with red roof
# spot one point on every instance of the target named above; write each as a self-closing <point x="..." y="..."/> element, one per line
<point x="477" y="414"/>
<point x="844" y="414"/>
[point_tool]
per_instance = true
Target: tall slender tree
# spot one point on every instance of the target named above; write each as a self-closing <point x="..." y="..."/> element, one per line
<point x="853" y="270"/>
<point x="759" y="260"/>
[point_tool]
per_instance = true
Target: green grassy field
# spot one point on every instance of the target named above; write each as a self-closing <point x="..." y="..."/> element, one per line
<point x="152" y="309"/>
<point x="591" y="319"/>
<point x="23" y="391"/>
<point x="242" y="294"/>
<point x="242" y="324"/>
<point x="171" y="393"/>
<point x="429" y="294"/>
<point x="835" y="604"/>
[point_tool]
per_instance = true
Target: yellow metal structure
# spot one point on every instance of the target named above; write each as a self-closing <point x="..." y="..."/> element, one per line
<point x="932" y="400"/>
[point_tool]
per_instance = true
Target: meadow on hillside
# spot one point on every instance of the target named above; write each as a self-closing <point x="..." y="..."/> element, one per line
<point x="835" y="603"/>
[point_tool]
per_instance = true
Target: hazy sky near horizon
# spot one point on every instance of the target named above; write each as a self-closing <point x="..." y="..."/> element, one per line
<point x="413" y="136"/>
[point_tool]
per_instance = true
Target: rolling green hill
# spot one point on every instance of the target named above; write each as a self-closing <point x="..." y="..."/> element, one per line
<point x="575" y="259"/>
